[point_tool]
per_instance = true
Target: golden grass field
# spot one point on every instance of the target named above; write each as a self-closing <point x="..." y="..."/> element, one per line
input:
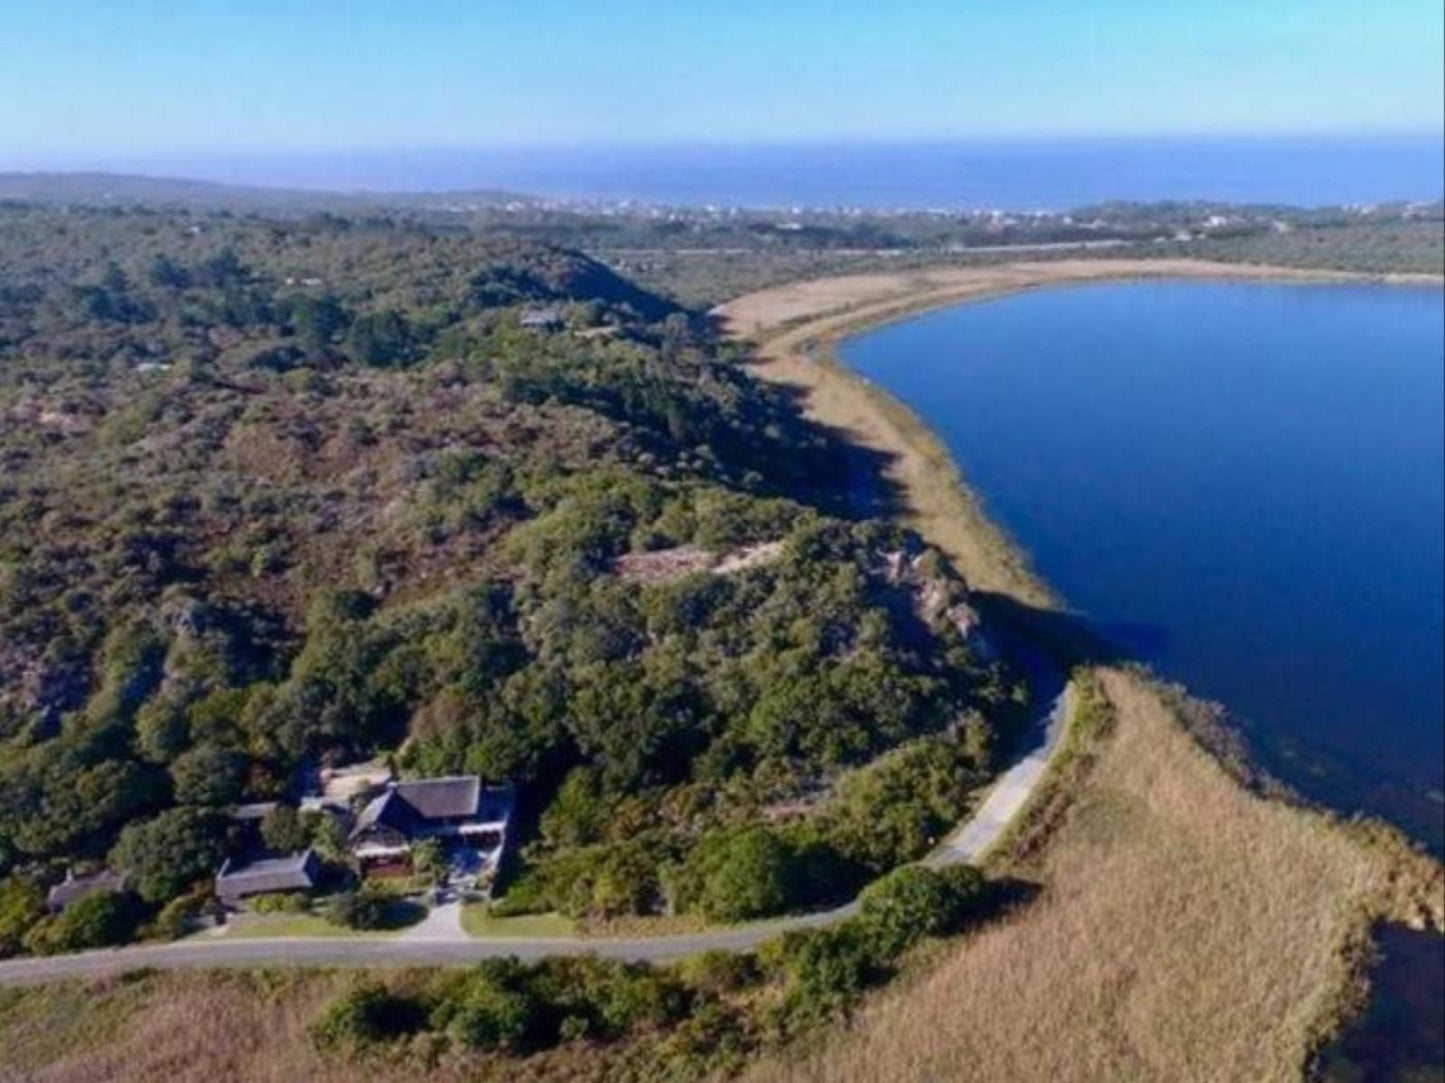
<point x="1187" y="930"/>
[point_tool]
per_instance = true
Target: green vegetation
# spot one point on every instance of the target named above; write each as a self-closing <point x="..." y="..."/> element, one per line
<point x="705" y="1014"/>
<point x="479" y="921"/>
<point x="288" y="492"/>
<point x="370" y="910"/>
<point x="97" y="921"/>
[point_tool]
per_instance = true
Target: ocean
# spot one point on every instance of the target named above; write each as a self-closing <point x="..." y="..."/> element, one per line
<point x="1015" y="175"/>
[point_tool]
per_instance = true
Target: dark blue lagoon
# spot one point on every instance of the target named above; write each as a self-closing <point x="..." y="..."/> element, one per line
<point x="1243" y="484"/>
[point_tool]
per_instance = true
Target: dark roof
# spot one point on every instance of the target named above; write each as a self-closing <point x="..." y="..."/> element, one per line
<point x="74" y="888"/>
<point x="294" y="872"/>
<point x="389" y="810"/>
<point x="441" y="798"/>
<point x="407" y="806"/>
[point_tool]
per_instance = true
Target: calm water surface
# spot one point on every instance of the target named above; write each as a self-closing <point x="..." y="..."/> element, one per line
<point x="1244" y="484"/>
<point x="1017" y="174"/>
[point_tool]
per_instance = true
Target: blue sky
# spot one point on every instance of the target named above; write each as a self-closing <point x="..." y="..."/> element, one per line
<point x="83" y="80"/>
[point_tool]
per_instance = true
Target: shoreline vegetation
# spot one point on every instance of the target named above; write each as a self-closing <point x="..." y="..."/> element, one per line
<point x="1166" y="868"/>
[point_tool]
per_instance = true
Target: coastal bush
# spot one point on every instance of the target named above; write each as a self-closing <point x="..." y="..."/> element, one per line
<point x="717" y="971"/>
<point x="99" y="920"/>
<point x="823" y="969"/>
<point x="22" y="905"/>
<point x="284" y="830"/>
<point x="912" y="902"/>
<point x="164" y="855"/>
<point x="366" y="1014"/>
<point x="205" y="619"/>
<point x="363" y="910"/>
<point x="898" y="808"/>
<point x="750" y="874"/>
<point x="208" y="775"/>
<point x="281" y="902"/>
<point x="178" y="917"/>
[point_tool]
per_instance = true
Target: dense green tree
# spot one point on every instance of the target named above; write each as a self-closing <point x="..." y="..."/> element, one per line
<point x="22" y="905"/>
<point x="164" y="855"/>
<point x="913" y="902"/>
<point x="319" y="321"/>
<point x="753" y="874"/>
<point x="99" y="920"/>
<point x="364" y="909"/>
<point x="366" y="1014"/>
<point x="380" y="339"/>
<point x="284" y="831"/>
<point x="208" y="775"/>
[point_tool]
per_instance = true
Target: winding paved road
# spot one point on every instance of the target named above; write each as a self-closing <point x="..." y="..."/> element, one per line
<point x="440" y="942"/>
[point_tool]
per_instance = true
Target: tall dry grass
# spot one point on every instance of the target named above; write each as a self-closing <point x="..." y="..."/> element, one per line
<point x="1187" y="930"/>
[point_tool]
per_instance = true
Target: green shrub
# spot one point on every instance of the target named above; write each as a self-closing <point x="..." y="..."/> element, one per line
<point x="22" y="905"/>
<point x="365" y="909"/>
<point x="364" y="1015"/>
<point x="719" y="971"/>
<point x="825" y="968"/>
<point x="609" y="998"/>
<point x="208" y="775"/>
<point x="284" y="830"/>
<point x="913" y="902"/>
<point x="749" y="874"/>
<point x="164" y="855"/>
<point x="493" y="1016"/>
<point x="175" y="918"/>
<point x="895" y="809"/>
<point x="99" y="920"/>
<point x="281" y="902"/>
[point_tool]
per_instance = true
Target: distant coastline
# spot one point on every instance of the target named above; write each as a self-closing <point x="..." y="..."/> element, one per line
<point x="1020" y="174"/>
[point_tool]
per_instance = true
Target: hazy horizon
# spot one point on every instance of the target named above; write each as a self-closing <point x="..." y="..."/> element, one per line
<point x="1014" y="174"/>
<point x="378" y="76"/>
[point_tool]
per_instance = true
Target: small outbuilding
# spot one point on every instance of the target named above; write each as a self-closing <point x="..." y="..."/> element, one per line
<point x="239" y="880"/>
<point x="74" y="888"/>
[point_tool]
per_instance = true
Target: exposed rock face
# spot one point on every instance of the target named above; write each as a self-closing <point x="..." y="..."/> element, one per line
<point x="664" y="565"/>
<point x="938" y="593"/>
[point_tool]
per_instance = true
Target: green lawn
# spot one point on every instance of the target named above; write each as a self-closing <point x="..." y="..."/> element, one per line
<point x="400" y="914"/>
<point x="263" y="925"/>
<point x="478" y="921"/>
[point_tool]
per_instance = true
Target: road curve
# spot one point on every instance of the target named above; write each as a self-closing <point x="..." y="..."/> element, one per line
<point x="1010" y="791"/>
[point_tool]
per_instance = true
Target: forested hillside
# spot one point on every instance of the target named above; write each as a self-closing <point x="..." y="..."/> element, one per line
<point x="278" y="494"/>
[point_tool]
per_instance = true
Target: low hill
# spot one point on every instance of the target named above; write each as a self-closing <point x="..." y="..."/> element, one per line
<point x="131" y="189"/>
<point x="281" y="493"/>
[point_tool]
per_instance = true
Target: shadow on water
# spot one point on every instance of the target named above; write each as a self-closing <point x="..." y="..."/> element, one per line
<point x="1401" y="1036"/>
